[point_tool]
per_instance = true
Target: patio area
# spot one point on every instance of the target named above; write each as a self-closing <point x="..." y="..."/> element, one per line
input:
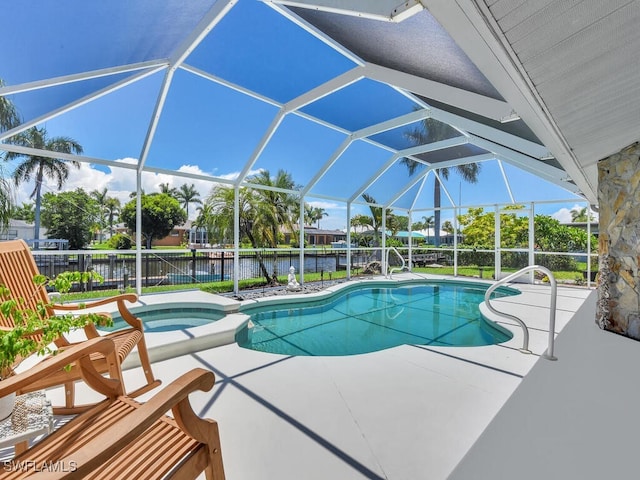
<point x="403" y="413"/>
<point x="366" y="107"/>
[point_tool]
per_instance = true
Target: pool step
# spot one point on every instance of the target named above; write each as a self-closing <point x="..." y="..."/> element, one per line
<point x="166" y="345"/>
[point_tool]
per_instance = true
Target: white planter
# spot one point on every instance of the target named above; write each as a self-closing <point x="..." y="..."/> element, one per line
<point x="6" y="405"/>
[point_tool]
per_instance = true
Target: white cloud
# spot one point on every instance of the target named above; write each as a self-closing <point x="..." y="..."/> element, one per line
<point x="120" y="182"/>
<point x="327" y="205"/>
<point x="235" y="175"/>
<point x="564" y="214"/>
<point x="84" y="177"/>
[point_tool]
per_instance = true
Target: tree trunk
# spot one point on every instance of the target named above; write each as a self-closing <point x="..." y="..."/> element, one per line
<point x="263" y="269"/>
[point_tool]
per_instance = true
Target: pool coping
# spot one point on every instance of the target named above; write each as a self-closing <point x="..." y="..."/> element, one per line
<point x="166" y="345"/>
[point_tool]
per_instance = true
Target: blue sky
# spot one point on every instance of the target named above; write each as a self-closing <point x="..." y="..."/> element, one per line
<point x="208" y="128"/>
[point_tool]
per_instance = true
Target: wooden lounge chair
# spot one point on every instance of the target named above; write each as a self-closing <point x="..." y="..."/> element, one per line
<point x="17" y="270"/>
<point x="119" y="437"/>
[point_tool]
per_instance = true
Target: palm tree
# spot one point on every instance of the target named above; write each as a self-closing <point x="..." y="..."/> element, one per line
<point x="427" y="223"/>
<point x="361" y="221"/>
<point x="6" y="203"/>
<point x="24" y="212"/>
<point x="579" y="215"/>
<point x="133" y="194"/>
<point x="429" y="131"/>
<point x="112" y="209"/>
<point x="447" y="226"/>
<point x="317" y="213"/>
<point x="8" y="119"/>
<point x="218" y="218"/>
<point x="186" y="195"/>
<point x="206" y="219"/>
<point x="53" y="168"/>
<point x="261" y="212"/>
<point x="217" y="213"/>
<point x="376" y="216"/>
<point x="394" y="224"/>
<point x="274" y="208"/>
<point x="166" y="188"/>
<point x="100" y="197"/>
<point x="308" y="214"/>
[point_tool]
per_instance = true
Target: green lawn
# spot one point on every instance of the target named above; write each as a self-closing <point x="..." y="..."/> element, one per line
<point x="227" y="285"/>
<point x="105" y="246"/>
<point x="488" y="272"/>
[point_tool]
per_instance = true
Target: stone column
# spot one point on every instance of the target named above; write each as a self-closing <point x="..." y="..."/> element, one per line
<point x="618" y="307"/>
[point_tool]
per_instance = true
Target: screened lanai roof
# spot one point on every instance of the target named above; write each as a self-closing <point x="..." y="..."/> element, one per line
<point x="331" y="91"/>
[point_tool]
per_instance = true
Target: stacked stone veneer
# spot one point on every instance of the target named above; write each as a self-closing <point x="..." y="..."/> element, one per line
<point x="618" y="307"/>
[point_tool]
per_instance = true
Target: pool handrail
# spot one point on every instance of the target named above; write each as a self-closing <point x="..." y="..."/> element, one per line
<point x="391" y="270"/>
<point x="548" y="354"/>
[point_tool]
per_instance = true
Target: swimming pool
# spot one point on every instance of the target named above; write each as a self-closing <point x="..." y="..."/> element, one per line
<point x="169" y="319"/>
<point x="370" y="318"/>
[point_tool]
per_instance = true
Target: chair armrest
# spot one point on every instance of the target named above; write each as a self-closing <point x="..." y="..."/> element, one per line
<point x="108" y="443"/>
<point x="129" y="297"/>
<point x="125" y="313"/>
<point x="76" y="354"/>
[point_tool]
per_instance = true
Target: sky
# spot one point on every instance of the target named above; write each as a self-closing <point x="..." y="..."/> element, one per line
<point x="210" y="129"/>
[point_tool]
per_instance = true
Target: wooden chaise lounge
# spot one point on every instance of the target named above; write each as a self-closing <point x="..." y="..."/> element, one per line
<point x="17" y="270"/>
<point x="120" y="438"/>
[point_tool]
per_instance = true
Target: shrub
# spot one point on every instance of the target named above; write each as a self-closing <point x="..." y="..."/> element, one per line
<point x="120" y="242"/>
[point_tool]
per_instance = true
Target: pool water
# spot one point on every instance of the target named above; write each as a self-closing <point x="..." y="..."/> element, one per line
<point x="169" y="319"/>
<point x="371" y="319"/>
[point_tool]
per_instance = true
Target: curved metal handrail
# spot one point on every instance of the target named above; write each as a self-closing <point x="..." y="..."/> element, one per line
<point x="552" y="307"/>
<point x="391" y="270"/>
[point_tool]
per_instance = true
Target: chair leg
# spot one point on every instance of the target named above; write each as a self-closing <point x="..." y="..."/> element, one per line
<point x="215" y="469"/>
<point x="145" y="362"/>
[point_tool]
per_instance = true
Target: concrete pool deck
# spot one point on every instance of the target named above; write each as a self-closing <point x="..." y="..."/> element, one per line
<point x="409" y="412"/>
